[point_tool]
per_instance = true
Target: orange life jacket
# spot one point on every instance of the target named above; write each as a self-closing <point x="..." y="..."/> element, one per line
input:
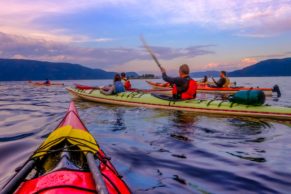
<point x="189" y="93"/>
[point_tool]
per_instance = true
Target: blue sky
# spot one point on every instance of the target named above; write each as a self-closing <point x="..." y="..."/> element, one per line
<point x="206" y="34"/>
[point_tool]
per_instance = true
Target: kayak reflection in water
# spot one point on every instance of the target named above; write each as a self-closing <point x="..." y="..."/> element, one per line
<point x="184" y="87"/>
<point x="125" y="81"/>
<point x="116" y="88"/>
<point x="47" y="81"/>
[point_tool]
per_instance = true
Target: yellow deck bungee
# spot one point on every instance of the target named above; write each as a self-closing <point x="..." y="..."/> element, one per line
<point x="78" y="137"/>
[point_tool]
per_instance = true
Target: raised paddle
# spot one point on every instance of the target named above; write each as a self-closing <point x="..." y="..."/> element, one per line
<point x="150" y="51"/>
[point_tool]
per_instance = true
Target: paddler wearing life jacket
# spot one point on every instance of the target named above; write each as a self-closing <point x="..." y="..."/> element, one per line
<point x="125" y="81"/>
<point x="116" y="88"/>
<point x="223" y="82"/>
<point x="184" y="87"/>
<point x="47" y="82"/>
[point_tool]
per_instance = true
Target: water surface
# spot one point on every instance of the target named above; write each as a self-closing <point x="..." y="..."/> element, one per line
<point x="157" y="151"/>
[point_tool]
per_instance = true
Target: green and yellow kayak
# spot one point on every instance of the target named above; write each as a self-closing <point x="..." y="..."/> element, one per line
<point x="217" y="107"/>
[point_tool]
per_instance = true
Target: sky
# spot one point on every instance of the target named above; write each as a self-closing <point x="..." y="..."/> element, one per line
<point x="206" y="34"/>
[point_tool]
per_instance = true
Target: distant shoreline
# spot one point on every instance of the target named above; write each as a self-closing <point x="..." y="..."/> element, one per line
<point x="129" y="79"/>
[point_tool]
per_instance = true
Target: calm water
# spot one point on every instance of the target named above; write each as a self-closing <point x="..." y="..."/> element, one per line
<point x="157" y="151"/>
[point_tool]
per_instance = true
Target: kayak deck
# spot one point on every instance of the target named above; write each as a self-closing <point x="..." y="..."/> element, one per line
<point x="199" y="106"/>
<point x="68" y="161"/>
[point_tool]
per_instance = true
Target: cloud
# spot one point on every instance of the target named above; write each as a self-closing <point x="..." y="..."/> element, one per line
<point x="13" y="46"/>
<point x="247" y="62"/>
<point x="170" y="53"/>
<point x="212" y="65"/>
<point x="26" y="32"/>
<point x="253" y="18"/>
<point x="19" y="18"/>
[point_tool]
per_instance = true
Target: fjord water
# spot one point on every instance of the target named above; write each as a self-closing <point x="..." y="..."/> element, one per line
<point x="157" y="151"/>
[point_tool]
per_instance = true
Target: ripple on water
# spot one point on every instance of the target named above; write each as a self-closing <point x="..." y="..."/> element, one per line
<point x="156" y="151"/>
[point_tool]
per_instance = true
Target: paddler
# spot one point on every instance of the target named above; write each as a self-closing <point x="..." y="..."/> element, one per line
<point x="116" y="88"/>
<point x="223" y="82"/>
<point x="184" y="87"/>
<point x="125" y="81"/>
<point x="47" y="82"/>
<point x="204" y="80"/>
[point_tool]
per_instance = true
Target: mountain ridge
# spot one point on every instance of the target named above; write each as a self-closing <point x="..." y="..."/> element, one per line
<point x="265" y="68"/>
<point x="22" y="70"/>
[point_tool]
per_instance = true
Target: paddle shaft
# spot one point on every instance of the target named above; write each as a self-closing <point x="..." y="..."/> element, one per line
<point x="150" y="52"/>
<point x="100" y="185"/>
<point x="13" y="184"/>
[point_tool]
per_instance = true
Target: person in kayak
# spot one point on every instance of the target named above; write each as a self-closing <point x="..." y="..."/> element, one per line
<point x="116" y="88"/>
<point x="47" y="82"/>
<point x="204" y="80"/>
<point x="125" y="80"/>
<point x="223" y="82"/>
<point x="184" y="87"/>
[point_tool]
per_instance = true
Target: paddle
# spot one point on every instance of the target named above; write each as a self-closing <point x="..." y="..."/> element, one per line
<point x="14" y="182"/>
<point x="96" y="174"/>
<point x="150" y="52"/>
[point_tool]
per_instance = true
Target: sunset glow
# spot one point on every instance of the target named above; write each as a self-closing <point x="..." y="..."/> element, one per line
<point x="208" y="35"/>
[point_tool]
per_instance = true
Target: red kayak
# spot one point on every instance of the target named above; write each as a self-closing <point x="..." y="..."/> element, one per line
<point x="68" y="161"/>
<point x="45" y="84"/>
<point x="204" y="88"/>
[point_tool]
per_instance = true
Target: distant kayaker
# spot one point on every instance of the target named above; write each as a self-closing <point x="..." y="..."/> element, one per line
<point x="47" y="82"/>
<point x="223" y="82"/>
<point x="184" y="87"/>
<point x="116" y="88"/>
<point x="204" y="80"/>
<point x="125" y="80"/>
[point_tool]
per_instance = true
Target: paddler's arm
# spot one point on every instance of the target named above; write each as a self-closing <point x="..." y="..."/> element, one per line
<point x="219" y="83"/>
<point x="214" y="81"/>
<point x="172" y="80"/>
<point x="107" y="92"/>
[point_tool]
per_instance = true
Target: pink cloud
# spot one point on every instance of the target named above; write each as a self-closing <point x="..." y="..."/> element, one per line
<point x="13" y="46"/>
<point x="212" y="65"/>
<point x="247" y="62"/>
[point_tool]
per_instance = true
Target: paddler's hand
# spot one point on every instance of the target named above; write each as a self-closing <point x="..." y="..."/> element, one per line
<point x="163" y="70"/>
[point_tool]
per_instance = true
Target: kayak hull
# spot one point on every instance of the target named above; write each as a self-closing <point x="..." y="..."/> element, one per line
<point x="197" y="106"/>
<point x="43" y="84"/>
<point x="68" y="161"/>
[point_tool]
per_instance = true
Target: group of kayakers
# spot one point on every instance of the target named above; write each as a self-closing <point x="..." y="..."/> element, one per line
<point x="183" y="87"/>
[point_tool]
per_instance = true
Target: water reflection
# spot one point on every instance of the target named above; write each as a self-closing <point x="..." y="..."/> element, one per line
<point x="182" y="125"/>
<point x="119" y="123"/>
<point x="156" y="151"/>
